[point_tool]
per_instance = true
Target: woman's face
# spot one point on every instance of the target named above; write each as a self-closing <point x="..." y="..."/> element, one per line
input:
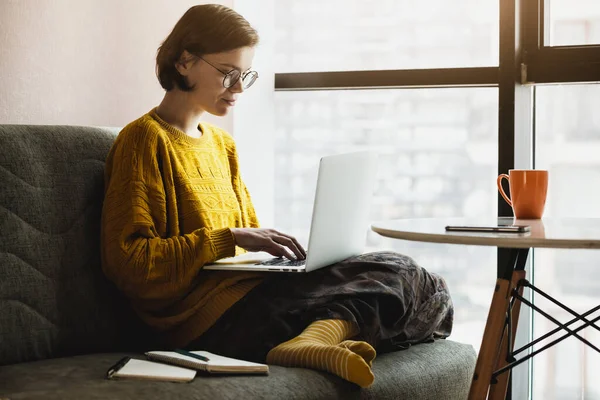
<point x="209" y="94"/>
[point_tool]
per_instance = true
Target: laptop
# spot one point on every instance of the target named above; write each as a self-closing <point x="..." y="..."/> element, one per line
<point x="339" y="222"/>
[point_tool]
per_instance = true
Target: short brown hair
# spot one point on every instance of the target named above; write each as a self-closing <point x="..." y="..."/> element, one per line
<point x="203" y="29"/>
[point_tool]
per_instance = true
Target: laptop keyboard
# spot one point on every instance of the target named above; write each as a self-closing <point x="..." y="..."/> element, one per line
<point x="280" y="261"/>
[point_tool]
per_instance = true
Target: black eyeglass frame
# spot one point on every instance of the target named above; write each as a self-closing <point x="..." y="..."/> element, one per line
<point x="229" y="75"/>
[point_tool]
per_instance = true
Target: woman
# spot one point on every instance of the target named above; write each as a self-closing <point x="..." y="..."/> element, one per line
<point x="175" y="201"/>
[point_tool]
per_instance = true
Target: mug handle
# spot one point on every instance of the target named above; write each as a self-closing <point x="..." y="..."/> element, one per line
<point x="501" y="189"/>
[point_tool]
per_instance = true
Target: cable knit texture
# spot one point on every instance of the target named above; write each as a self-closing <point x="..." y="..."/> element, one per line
<point x="170" y="200"/>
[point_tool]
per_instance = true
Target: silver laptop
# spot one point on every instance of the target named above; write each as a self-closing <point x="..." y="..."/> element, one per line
<point x="339" y="221"/>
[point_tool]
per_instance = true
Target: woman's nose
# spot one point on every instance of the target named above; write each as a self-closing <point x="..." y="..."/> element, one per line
<point x="238" y="87"/>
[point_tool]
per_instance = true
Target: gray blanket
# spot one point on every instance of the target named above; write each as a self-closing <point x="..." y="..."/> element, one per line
<point x="394" y="302"/>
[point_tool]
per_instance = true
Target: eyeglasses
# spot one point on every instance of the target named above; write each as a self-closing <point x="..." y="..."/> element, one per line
<point x="231" y="77"/>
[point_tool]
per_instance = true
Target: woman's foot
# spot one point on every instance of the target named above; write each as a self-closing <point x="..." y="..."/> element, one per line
<point x="322" y="346"/>
<point x="363" y="349"/>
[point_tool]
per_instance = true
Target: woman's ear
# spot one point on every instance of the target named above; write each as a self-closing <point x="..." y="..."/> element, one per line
<point x="185" y="63"/>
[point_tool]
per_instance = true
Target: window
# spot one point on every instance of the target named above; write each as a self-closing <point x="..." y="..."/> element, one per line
<point x="345" y="35"/>
<point x="438" y="157"/>
<point x="438" y="147"/>
<point x="568" y="144"/>
<point x="573" y="22"/>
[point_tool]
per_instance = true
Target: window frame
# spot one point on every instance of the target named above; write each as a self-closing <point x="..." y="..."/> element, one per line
<point x="553" y="64"/>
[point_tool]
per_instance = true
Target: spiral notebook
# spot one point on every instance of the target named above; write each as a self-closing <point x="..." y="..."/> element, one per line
<point x="215" y="364"/>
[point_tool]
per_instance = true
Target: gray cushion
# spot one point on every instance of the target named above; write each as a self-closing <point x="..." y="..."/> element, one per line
<point x="440" y="370"/>
<point x="54" y="299"/>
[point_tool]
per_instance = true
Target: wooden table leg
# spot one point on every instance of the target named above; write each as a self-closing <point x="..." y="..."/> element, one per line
<point x="498" y="389"/>
<point x="490" y="344"/>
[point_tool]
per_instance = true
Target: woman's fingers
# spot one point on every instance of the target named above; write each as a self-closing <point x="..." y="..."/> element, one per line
<point x="297" y="244"/>
<point x="269" y="240"/>
<point x="290" y="244"/>
<point x="278" y="250"/>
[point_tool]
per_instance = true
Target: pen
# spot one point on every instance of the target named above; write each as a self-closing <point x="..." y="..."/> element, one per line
<point x="115" y="368"/>
<point x="190" y="354"/>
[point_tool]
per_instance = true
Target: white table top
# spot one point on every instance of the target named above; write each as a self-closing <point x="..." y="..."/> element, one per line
<point x="566" y="233"/>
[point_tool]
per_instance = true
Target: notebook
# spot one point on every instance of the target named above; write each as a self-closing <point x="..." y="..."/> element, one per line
<point x="216" y="364"/>
<point x="130" y="368"/>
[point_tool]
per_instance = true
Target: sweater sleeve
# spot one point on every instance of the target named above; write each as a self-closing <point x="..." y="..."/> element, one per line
<point x="141" y="262"/>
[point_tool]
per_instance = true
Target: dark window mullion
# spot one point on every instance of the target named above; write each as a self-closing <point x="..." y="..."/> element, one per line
<point x="514" y="102"/>
<point x="563" y="73"/>
<point x="415" y="78"/>
<point x="568" y="54"/>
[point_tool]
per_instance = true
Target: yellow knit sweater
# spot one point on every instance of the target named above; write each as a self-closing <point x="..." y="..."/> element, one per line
<point x="169" y="203"/>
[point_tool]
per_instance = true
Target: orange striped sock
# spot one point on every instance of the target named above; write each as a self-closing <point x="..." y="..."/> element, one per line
<point x="322" y="345"/>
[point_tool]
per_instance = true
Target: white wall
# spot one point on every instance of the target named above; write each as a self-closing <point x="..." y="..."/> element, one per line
<point x="88" y="62"/>
<point x="92" y="62"/>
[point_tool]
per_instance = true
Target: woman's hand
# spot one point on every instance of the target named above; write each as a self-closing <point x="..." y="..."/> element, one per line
<point x="273" y="242"/>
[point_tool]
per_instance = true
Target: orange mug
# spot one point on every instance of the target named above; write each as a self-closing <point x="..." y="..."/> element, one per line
<point x="528" y="189"/>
